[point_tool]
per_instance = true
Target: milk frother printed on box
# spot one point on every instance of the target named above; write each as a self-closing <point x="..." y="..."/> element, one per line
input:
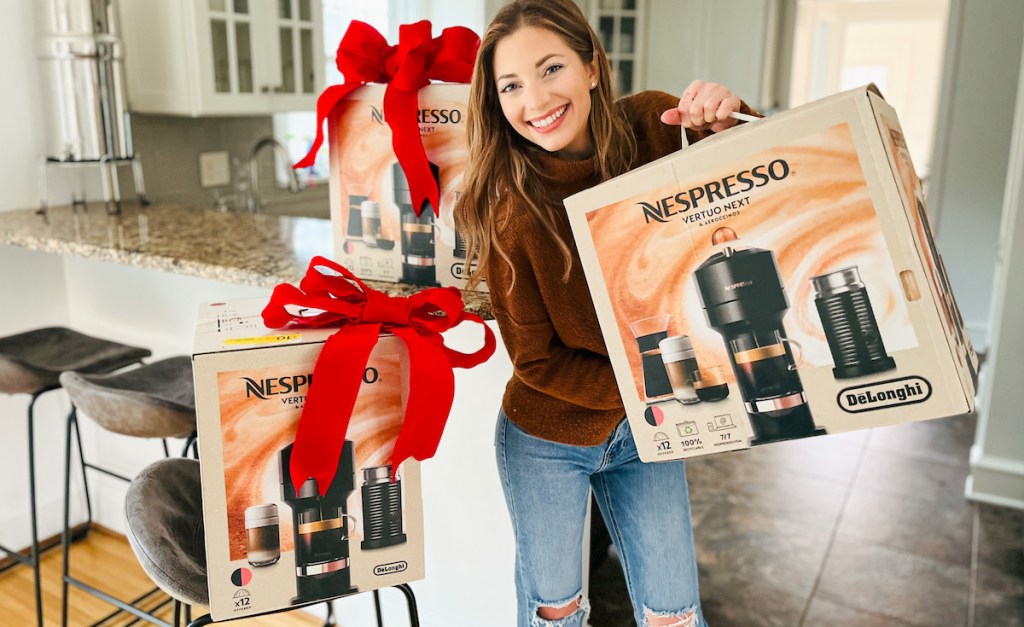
<point x="320" y="526"/>
<point x="382" y="508"/>
<point x="849" y="323"/>
<point x="744" y="300"/>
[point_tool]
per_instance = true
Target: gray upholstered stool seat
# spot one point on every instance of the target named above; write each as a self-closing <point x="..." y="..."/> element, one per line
<point x="156" y="400"/>
<point x="164" y="510"/>
<point x="32" y="361"/>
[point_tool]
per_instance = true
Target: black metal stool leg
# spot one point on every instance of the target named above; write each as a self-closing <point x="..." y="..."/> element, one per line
<point x="190" y="441"/>
<point x="410" y="600"/>
<point x="73" y="432"/>
<point x="376" y="606"/>
<point x="85" y="480"/>
<point x="34" y="512"/>
<point x="205" y="619"/>
<point x="66" y="532"/>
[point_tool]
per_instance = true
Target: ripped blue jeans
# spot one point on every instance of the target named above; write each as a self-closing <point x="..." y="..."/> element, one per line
<point x="646" y="508"/>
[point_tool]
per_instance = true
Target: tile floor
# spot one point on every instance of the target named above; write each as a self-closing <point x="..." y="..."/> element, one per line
<point x="856" y="529"/>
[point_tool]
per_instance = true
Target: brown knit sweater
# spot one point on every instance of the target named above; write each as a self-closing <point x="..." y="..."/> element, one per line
<point x="562" y="386"/>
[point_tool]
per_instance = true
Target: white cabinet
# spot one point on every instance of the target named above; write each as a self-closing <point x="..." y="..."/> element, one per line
<point x="222" y="57"/>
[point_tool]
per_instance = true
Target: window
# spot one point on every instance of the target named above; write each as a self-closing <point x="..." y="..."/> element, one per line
<point x="619" y="25"/>
<point x="296" y="130"/>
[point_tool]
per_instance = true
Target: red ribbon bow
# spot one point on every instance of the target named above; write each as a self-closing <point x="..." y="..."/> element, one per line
<point x="364" y="313"/>
<point x="364" y="56"/>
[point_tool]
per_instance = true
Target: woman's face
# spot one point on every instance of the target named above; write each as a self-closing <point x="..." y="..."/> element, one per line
<point x="544" y="90"/>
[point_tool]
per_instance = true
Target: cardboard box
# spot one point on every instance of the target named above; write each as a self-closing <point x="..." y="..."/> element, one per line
<point x="250" y="387"/>
<point x="366" y="180"/>
<point x="795" y="255"/>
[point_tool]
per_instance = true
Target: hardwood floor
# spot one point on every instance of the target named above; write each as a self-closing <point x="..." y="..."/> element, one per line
<point x="103" y="560"/>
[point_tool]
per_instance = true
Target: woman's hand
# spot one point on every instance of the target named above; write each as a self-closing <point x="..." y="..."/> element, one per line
<point x="704" y="106"/>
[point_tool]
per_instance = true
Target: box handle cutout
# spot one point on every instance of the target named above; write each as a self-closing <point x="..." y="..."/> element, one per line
<point x="909" y="283"/>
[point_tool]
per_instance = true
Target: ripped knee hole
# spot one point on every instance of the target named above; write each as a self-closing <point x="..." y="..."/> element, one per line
<point x="686" y="619"/>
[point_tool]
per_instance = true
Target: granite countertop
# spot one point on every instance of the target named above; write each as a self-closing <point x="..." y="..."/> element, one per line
<point x="241" y="248"/>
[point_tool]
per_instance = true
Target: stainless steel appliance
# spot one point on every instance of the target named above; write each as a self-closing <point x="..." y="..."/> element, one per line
<point x="81" y="60"/>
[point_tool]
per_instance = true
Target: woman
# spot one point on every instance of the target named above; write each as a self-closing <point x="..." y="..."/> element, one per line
<point x="543" y="126"/>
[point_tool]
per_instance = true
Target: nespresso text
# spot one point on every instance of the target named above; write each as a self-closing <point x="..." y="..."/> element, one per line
<point x="294" y="384"/>
<point x="664" y="209"/>
<point x="439" y="116"/>
<point x="424" y="116"/>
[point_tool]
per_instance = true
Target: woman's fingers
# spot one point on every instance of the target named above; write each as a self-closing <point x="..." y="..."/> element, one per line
<point x="704" y="105"/>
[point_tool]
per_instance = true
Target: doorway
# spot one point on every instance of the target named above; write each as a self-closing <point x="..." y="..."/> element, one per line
<point x="896" y="44"/>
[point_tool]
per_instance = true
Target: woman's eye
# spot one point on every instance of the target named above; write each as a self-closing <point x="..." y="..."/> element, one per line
<point x="551" y="69"/>
<point x="507" y="87"/>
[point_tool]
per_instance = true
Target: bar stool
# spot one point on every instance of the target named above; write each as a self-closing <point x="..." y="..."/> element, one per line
<point x="164" y="512"/>
<point x="155" y="400"/>
<point x="30" y="363"/>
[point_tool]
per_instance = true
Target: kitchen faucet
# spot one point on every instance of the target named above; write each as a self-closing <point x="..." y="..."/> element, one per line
<point x="255" y="197"/>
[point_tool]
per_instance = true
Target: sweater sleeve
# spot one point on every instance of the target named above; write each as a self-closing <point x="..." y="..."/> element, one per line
<point x="539" y="357"/>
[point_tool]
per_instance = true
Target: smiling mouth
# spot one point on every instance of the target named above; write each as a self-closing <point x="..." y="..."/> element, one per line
<point x="547" y="121"/>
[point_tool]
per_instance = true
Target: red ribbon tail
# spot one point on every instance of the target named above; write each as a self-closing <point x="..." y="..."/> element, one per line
<point x="324" y="105"/>
<point x="400" y="111"/>
<point x="329" y="402"/>
<point x="469" y="360"/>
<point x="431" y="392"/>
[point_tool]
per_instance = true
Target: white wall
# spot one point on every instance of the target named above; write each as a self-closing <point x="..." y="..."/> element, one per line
<point x="997" y="457"/>
<point x="968" y="176"/>
<point x="21" y="123"/>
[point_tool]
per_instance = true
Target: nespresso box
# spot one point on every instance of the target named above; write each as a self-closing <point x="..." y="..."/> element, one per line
<point x="775" y="281"/>
<point x="377" y="234"/>
<point x="271" y="544"/>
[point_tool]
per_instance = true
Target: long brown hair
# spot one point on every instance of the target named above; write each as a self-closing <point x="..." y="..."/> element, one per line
<point x="501" y="165"/>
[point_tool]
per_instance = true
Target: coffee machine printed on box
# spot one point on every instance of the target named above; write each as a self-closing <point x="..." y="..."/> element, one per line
<point x="280" y="544"/>
<point x="769" y="293"/>
<point x="377" y="234"/>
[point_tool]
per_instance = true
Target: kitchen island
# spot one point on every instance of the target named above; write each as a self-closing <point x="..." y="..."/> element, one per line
<point x="138" y="277"/>
<point x="256" y="250"/>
